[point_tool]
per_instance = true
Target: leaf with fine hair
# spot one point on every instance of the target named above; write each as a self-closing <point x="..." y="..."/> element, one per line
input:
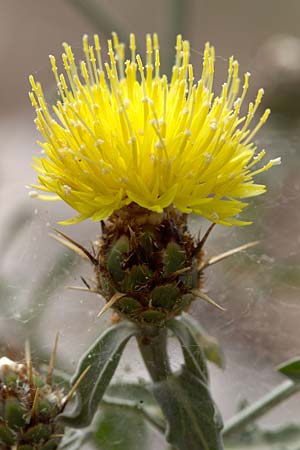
<point x="193" y="419"/>
<point x="138" y="397"/>
<point x="100" y="362"/>
<point x="119" y="429"/>
<point x="75" y="439"/>
<point x="192" y="352"/>
<point x="211" y="348"/>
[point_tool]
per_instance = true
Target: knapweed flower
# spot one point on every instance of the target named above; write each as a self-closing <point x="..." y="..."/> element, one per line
<point x="29" y="406"/>
<point x="122" y="133"/>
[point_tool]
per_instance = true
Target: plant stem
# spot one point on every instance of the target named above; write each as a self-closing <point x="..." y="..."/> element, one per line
<point x="153" y="347"/>
<point x="239" y="421"/>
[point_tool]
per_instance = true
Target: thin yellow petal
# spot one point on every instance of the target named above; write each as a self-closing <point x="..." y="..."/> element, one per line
<point x="121" y="133"/>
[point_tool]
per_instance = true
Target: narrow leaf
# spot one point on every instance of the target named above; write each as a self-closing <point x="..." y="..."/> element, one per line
<point x="254" y="411"/>
<point x="75" y="439"/>
<point x="103" y="358"/>
<point x="286" y="437"/>
<point x="138" y="397"/>
<point x="119" y="429"/>
<point x="192" y="352"/>
<point x="211" y="347"/>
<point x="193" y="420"/>
<point x="291" y="369"/>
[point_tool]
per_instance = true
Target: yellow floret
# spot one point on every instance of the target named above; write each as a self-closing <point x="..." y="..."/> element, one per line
<point x="123" y="133"/>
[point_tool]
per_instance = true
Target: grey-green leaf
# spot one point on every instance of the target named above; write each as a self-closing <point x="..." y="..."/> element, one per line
<point x="119" y="429"/>
<point x="291" y="369"/>
<point x="102" y="359"/>
<point x="212" y="349"/>
<point x="193" y="420"/>
<point x="75" y="439"/>
<point x="283" y="438"/>
<point x="193" y="353"/>
<point x="137" y="397"/>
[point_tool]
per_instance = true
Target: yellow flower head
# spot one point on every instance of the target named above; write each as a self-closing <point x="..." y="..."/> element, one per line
<point x="122" y="132"/>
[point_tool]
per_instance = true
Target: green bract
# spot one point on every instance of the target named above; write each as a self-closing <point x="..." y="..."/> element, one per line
<point x="148" y="265"/>
<point x="28" y="409"/>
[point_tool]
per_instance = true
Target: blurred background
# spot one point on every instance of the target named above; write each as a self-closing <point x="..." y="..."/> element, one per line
<point x="259" y="288"/>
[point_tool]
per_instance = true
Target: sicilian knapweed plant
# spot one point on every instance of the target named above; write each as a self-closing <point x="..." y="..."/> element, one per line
<point x="30" y="403"/>
<point x="128" y="147"/>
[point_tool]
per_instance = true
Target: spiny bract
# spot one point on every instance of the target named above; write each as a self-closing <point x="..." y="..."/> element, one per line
<point x="122" y="133"/>
<point x="148" y="266"/>
<point x="28" y="409"/>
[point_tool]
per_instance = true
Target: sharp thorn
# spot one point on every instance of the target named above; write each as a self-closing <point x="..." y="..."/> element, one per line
<point x="69" y="245"/>
<point x="30" y="373"/>
<point x="200" y="244"/>
<point x="93" y="249"/>
<point x="52" y="360"/>
<point x="73" y="245"/>
<point x="102" y="226"/>
<point x="35" y="404"/>
<point x="201" y="294"/>
<point x="85" y="282"/>
<point x="83" y="289"/>
<point x="28" y="361"/>
<point x="133" y="238"/>
<point x="27" y="353"/>
<point x="233" y="251"/>
<point x="75" y="386"/>
<point x="110" y="303"/>
<point x="179" y="272"/>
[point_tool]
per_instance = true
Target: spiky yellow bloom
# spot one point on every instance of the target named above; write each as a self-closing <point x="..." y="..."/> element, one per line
<point x="122" y="133"/>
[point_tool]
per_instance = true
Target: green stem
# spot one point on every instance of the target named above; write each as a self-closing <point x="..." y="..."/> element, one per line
<point x="238" y="422"/>
<point x="153" y="347"/>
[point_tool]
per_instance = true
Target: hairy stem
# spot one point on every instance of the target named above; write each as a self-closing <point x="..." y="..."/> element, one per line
<point x="153" y="347"/>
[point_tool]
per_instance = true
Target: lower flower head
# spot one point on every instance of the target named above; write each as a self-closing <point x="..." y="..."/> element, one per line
<point x="123" y="133"/>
